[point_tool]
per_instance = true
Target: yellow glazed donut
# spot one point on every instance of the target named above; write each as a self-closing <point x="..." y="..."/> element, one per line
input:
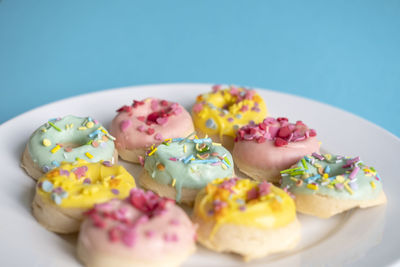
<point x="65" y="193"/>
<point x="246" y="217"/>
<point x="223" y="111"/>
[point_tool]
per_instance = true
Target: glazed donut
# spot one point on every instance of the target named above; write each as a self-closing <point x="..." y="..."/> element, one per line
<point x="148" y="122"/>
<point x="325" y="185"/>
<point x="142" y="230"/>
<point x="263" y="150"/>
<point x="64" y="193"/>
<point x="246" y="217"/>
<point x="223" y="111"/>
<point x="180" y="167"/>
<point x="66" y="139"/>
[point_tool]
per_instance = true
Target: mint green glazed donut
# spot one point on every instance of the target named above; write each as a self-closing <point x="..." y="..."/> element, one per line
<point x="68" y="139"/>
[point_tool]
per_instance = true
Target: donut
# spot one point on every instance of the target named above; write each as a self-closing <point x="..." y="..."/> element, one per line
<point x="142" y="230"/>
<point x="66" y="139"/>
<point x="325" y="185"/>
<point x="246" y="217"/>
<point x="148" y="122"/>
<point x="223" y="111"/>
<point x="263" y="150"/>
<point x="178" y="168"/>
<point x="64" y="193"/>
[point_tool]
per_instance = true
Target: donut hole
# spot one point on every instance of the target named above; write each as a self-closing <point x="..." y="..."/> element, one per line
<point x="74" y="142"/>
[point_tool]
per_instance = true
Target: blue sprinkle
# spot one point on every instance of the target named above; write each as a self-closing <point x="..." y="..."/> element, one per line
<point x="205" y="161"/>
<point x="186" y="160"/>
<point x="312" y="178"/>
<point x="177" y="139"/>
<point x="64" y="194"/>
<point x="327" y="169"/>
<point x="95" y="133"/>
<point x="45" y="168"/>
<point x="56" y="198"/>
<point x="210" y="123"/>
<point x="55" y="163"/>
<point x="89" y="119"/>
<point x="235" y="126"/>
<point x="47" y="186"/>
<point x="239" y="116"/>
<point x="200" y="141"/>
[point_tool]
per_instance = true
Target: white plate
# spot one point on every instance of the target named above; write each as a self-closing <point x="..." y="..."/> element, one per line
<point x="368" y="237"/>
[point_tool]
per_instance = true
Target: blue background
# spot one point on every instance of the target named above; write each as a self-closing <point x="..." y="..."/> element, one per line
<point x="345" y="53"/>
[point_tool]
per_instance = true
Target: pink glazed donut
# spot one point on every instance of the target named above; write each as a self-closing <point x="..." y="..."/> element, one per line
<point x="263" y="150"/>
<point x="148" y="122"/>
<point x="142" y="230"/>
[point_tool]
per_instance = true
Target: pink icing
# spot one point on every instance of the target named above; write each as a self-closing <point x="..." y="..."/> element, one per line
<point x="275" y="144"/>
<point x="149" y="122"/>
<point x="138" y="227"/>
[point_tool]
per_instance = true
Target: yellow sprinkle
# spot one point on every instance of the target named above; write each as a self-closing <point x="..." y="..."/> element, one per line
<point x="55" y="149"/>
<point x="184" y="148"/>
<point x="325" y="175"/>
<point x="195" y="137"/>
<point x="340" y="178"/>
<point x="328" y="156"/>
<point x="71" y="126"/>
<point x="312" y="186"/>
<point x="44" y="130"/>
<point x="82" y="128"/>
<point x="90" y="156"/>
<point x="173" y="182"/>
<point x="330" y="186"/>
<point x="153" y="151"/>
<point x="90" y="124"/>
<point x="216" y="144"/>
<point x="104" y="131"/>
<point x="317" y="165"/>
<point x="348" y="188"/>
<point x="224" y="166"/>
<point x="373" y="184"/>
<point x="46" y="142"/>
<point x="293" y="179"/>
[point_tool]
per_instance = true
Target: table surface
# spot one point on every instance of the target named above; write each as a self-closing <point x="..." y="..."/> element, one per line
<point x="344" y="53"/>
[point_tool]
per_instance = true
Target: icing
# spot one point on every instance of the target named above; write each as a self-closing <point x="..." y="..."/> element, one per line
<point x="334" y="176"/>
<point x="142" y="226"/>
<point x="188" y="163"/>
<point x="223" y="111"/>
<point x="278" y="130"/>
<point x="82" y="184"/>
<point x="149" y="122"/>
<point x="69" y="138"/>
<point x="245" y="202"/>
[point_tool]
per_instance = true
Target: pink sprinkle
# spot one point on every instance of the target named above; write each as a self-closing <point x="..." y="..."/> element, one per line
<point x="318" y="156"/>
<point x="354" y="172"/>
<point x="170" y="237"/>
<point x="150" y="131"/>
<point x="129" y="238"/>
<point x="141" y="128"/>
<point x="149" y="233"/>
<point x="174" y="222"/>
<point x="173" y="159"/>
<point x="113" y="234"/>
<point x="125" y="124"/>
<point x="154" y="104"/>
<point x="158" y="137"/>
<point x="164" y="103"/>
<point x="141" y="118"/>
<point x="244" y="108"/>
<point x="162" y="120"/>
<point x="252" y="194"/>
<point x="216" y="88"/>
<point x="80" y="171"/>
<point x="339" y="186"/>
<point x="265" y="188"/>
<point x="198" y="107"/>
<point x="141" y="160"/>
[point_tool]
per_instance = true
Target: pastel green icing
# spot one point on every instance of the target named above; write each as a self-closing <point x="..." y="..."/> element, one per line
<point x="42" y="155"/>
<point x="360" y="185"/>
<point x="193" y="175"/>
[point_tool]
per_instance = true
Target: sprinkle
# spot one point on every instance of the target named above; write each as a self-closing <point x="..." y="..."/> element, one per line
<point x="55" y="149"/>
<point x="158" y="137"/>
<point x="296" y="173"/>
<point x="90" y="156"/>
<point x="187" y="159"/>
<point x="90" y="124"/>
<point x="340" y="178"/>
<point x="82" y="128"/>
<point x="160" y="167"/>
<point x="216" y="144"/>
<point x="173" y="182"/>
<point x="205" y="161"/>
<point x="200" y="141"/>
<point x="152" y="152"/>
<point x="348" y="188"/>
<point x="115" y="191"/>
<point x="290" y="170"/>
<point x="45" y="168"/>
<point x="339" y="186"/>
<point x="327" y="169"/>
<point x="107" y="163"/>
<point x="318" y="156"/>
<point x="56" y="198"/>
<point x="184" y="148"/>
<point x="373" y="184"/>
<point x="313" y="178"/>
<point x="312" y="186"/>
<point x="55" y="163"/>
<point x="47" y="186"/>
<point x="87" y="181"/>
<point x="46" y="142"/>
<point x="224" y="167"/>
<point x="303" y="161"/>
<point x="54" y="126"/>
<point x="354" y="172"/>
<point x="328" y="156"/>
<point x="124" y="125"/>
<point x="210" y="123"/>
<point x="294" y="179"/>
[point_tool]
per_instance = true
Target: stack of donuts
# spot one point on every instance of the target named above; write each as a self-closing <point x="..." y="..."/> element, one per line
<point x="242" y="174"/>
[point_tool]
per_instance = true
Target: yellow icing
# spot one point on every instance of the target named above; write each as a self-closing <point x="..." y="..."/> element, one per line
<point x="84" y="195"/>
<point x="273" y="210"/>
<point x="240" y="118"/>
